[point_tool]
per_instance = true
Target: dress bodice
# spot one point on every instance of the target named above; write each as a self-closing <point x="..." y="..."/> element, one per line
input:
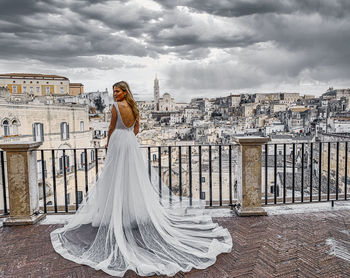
<point x="120" y="124"/>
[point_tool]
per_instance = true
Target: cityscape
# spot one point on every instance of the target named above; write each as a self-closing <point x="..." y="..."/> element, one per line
<point x="50" y="109"/>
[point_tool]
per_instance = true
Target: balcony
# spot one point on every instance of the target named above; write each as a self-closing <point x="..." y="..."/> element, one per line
<point x="303" y="188"/>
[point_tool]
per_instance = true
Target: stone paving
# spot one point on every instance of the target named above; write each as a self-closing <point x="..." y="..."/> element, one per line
<point x="287" y="245"/>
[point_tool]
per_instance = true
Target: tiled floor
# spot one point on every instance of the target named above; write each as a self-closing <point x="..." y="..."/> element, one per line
<point x="287" y="245"/>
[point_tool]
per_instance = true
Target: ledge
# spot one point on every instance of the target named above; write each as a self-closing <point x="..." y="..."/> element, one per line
<point x="18" y="145"/>
<point x="251" y="140"/>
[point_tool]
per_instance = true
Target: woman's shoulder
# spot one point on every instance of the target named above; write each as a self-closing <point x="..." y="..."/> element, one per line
<point x="123" y="105"/>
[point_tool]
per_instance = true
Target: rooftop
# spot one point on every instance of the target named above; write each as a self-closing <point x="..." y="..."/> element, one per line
<point x="293" y="241"/>
<point x="31" y="75"/>
<point x="75" y="84"/>
<point x="298" y="109"/>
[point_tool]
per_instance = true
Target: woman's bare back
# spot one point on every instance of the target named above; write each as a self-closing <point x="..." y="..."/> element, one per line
<point x="127" y="116"/>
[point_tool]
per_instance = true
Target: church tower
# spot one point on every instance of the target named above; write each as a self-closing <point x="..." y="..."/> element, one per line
<point x="156" y="93"/>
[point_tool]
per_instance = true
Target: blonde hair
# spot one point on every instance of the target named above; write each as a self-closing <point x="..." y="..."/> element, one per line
<point x="129" y="97"/>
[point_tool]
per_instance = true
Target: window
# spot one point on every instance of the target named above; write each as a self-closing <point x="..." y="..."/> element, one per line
<point x="24" y="89"/>
<point x="64" y="131"/>
<point x="81" y="125"/>
<point x="6" y="127"/>
<point x="82" y="159"/>
<point x="47" y="89"/>
<point x="203" y="179"/>
<point x="272" y="190"/>
<point x="38" y="132"/>
<point x="92" y="153"/>
<point x="40" y="173"/>
<point x="24" y="82"/>
<point x="68" y="198"/>
<point x="61" y="90"/>
<point x="14" y="127"/>
<point x="154" y="157"/>
<point x="14" y="89"/>
<point x="80" y="196"/>
<point x="66" y="162"/>
<point x="38" y="89"/>
<point x="31" y="90"/>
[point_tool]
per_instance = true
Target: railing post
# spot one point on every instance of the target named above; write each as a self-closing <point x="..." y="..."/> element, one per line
<point x="22" y="183"/>
<point x="249" y="173"/>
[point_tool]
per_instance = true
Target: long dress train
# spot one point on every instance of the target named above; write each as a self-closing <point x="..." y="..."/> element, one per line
<point x="127" y="221"/>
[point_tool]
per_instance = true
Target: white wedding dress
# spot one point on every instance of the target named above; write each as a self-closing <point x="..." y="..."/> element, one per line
<point x="126" y="221"/>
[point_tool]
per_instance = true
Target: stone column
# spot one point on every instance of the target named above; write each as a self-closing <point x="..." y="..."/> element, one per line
<point x="22" y="183"/>
<point x="249" y="176"/>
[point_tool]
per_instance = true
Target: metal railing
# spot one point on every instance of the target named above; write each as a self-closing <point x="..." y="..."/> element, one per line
<point x="305" y="172"/>
<point x="295" y="173"/>
<point x="194" y="171"/>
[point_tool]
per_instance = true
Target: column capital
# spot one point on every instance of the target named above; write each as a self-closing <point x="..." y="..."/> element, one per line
<point x="20" y="146"/>
<point x="251" y="140"/>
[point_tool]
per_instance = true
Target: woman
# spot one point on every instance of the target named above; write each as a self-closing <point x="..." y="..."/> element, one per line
<point x="129" y="221"/>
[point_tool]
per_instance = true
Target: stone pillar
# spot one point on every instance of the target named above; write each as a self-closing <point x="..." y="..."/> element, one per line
<point x="249" y="176"/>
<point x="22" y="183"/>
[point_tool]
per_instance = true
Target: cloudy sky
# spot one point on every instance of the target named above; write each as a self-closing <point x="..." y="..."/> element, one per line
<point x="196" y="48"/>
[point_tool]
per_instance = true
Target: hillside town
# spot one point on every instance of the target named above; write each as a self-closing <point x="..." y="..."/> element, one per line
<point x="58" y="113"/>
<point x="165" y="121"/>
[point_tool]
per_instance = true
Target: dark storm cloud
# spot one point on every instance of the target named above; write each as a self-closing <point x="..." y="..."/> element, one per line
<point x="261" y="40"/>
<point x="117" y="15"/>
<point x="10" y="8"/>
<point x="97" y="62"/>
<point x="227" y="8"/>
<point x="290" y="41"/>
<point x="51" y="31"/>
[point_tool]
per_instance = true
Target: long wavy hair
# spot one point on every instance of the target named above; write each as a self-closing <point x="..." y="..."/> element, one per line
<point x="129" y="97"/>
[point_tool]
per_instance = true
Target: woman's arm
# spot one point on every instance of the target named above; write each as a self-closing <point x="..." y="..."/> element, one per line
<point x="112" y="123"/>
<point x="137" y="126"/>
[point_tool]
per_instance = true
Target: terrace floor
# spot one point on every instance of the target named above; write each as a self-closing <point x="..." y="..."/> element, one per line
<point x="293" y="244"/>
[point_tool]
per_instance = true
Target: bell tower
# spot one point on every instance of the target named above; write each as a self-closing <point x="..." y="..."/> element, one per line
<point x="156" y="93"/>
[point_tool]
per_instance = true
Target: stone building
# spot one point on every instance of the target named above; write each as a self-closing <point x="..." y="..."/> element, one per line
<point x="76" y="89"/>
<point x="336" y="93"/>
<point x="289" y="98"/>
<point x="166" y="103"/>
<point x="298" y="119"/>
<point x="61" y="127"/>
<point x="267" y="97"/>
<point x="35" y="84"/>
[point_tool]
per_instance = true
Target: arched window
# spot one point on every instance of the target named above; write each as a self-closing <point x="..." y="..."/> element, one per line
<point x="6" y="127"/>
<point x="14" y="127"/>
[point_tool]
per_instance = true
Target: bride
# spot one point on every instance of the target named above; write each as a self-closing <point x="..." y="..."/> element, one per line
<point x="126" y="221"/>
